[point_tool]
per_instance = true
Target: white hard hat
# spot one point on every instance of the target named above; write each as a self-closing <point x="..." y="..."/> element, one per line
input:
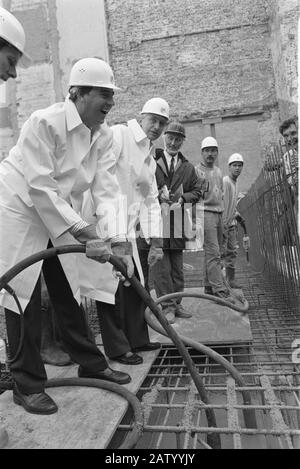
<point x="209" y="142"/>
<point x="13" y="32"/>
<point x="157" y="106"/>
<point x="235" y="158"/>
<point x="92" y="72"/>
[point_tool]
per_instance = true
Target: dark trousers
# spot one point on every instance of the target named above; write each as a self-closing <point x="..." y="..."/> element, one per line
<point x="123" y="326"/>
<point x="168" y="276"/>
<point x="143" y="249"/>
<point x="28" y="370"/>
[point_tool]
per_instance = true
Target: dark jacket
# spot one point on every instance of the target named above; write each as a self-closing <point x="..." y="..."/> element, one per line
<point x="186" y="184"/>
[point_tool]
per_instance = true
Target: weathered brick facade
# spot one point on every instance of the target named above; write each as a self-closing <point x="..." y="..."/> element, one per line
<point x="205" y="57"/>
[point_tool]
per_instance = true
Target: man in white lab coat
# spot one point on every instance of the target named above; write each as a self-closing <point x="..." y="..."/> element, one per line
<point x="61" y="152"/>
<point x="123" y="327"/>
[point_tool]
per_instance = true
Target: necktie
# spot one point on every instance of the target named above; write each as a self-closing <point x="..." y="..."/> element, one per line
<point x="172" y="167"/>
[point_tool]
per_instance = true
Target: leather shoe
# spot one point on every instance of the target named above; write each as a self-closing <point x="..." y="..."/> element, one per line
<point x="147" y="347"/>
<point x="208" y="290"/>
<point x="108" y="375"/>
<point x="39" y="403"/>
<point x="133" y="359"/>
<point x="180" y="312"/>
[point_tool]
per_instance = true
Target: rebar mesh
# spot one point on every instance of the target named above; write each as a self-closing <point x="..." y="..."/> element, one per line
<point x="175" y="417"/>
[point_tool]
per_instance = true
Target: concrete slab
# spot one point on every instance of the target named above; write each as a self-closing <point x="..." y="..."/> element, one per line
<point x="211" y="323"/>
<point x="86" y="418"/>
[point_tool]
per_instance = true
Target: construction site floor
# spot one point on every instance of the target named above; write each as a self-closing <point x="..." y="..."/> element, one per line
<point x="86" y="419"/>
<point x="259" y="345"/>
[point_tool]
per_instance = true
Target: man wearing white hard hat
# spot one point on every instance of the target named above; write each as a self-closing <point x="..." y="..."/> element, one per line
<point x="12" y="45"/>
<point x="231" y="217"/>
<point x="212" y="182"/>
<point x="62" y="151"/>
<point x="179" y="189"/>
<point x="120" y="309"/>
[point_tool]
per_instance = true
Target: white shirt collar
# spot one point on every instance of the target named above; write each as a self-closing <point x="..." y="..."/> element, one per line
<point x="137" y="131"/>
<point x="169" y="158"/>
<point x="74" y="120"/>
<point x="72" y="116"/>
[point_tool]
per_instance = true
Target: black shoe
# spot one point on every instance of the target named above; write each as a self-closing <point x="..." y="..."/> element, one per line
<point x="225" y="295"/>
<point x="129" y="360"/>
<point x="108" y="375"/>
<point x="147" y="347"/>
<point x="39" y="403"/>
<point x="208" y="291"/>
<point x="180" y="312"/>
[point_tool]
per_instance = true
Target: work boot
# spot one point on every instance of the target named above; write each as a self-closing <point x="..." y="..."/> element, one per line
<point x="230" y="274"/>
<point x="208" y="290"/>
<point x="180" y="312"/>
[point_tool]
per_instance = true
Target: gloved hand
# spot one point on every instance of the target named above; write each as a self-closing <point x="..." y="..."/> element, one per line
<point x="155" y="254"/>
<point x="246" y="242"/>
<point x="98" y="250"/>
<point x="123" y="250"/>
<point x="88" y="233"/>
<point x="164" y="195"/>
<point x="178" y="204"/>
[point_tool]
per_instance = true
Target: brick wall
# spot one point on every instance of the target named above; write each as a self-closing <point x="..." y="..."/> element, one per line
<point x="284" y="36"/>
<point x="211" y="59"/>
<point x="205" y="57"/>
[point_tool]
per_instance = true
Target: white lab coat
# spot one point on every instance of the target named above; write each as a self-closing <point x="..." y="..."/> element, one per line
<point x="42" y="182"/>
<point x="135" y="171"/>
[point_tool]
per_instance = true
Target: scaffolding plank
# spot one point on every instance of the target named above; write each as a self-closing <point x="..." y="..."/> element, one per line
<point x="86" y="419"/>
<point x="211" y="323"/>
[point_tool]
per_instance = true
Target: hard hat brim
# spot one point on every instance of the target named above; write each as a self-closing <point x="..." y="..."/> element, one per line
<point x="92" y="85"/>
<point x="25" y="61"/>
<point x="155" y="114"/>
<point x="174" y="132"/>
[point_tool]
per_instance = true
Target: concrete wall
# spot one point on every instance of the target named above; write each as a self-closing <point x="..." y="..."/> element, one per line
<point x="211" y="60"/>
<point x="205" y="57"/>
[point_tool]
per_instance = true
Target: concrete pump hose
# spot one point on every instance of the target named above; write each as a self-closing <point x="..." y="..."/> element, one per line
<point x="249" y="414"/>
<point x="213" y="439"/>
<point x="138" y="424"/>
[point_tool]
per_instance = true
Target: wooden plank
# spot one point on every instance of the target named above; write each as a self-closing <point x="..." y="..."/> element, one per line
<point x="86" y="419"/>
<point x="211" y="323"/>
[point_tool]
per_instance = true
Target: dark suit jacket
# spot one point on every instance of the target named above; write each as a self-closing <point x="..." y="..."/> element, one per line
<point x="186" y="184"/>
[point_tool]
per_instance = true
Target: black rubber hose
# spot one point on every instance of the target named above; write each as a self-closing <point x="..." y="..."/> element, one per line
<point x="138" y="425"/>
<point x="213" y="439"/>
<point x="21" y="340"/>
<point x="249" y="414"/>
